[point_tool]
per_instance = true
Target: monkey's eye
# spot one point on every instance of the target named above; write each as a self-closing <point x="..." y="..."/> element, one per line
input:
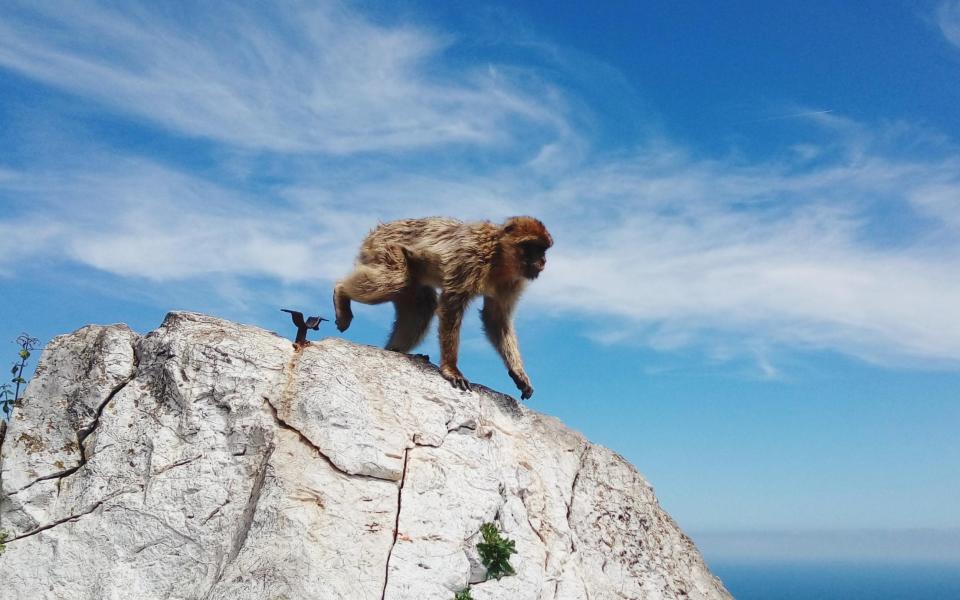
<point x="532" y="250"/>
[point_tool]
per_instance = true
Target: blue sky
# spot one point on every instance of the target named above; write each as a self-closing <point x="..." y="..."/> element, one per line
<point x="755" y="291"/>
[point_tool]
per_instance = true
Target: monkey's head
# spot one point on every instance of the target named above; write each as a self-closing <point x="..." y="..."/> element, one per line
<point x="525" y="241"/>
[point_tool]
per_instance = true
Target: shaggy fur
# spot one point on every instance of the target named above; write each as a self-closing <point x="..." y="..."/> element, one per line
<point x="404" y="261"/>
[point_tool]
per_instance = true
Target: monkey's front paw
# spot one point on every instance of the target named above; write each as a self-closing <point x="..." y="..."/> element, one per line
<point x="523" y="384"/>
<point x="455" y="377"/>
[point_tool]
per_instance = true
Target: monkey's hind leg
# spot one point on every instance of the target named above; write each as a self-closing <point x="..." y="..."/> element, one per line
<point x="378" y="281"/>
<point x="341" y="305"/>
<point x="415" y="307"/>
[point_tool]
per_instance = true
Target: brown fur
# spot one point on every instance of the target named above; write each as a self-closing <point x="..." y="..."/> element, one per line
<point x="403" y="261"/>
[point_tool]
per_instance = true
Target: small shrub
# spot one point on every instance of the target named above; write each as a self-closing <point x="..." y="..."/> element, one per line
<point x="9" y="394"/>
<point x="463" y="595"/>
<point x="495" y="551"/>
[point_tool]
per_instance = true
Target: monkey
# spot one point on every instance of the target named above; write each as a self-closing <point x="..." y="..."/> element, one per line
<point x="405" y="261"/>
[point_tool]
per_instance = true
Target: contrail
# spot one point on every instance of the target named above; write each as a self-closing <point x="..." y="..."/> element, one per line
<point x="790" y="116"/>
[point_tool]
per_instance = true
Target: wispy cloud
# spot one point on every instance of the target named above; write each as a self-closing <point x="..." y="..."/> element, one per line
<point x="140" y="219"/>
<point x="296" y="78"/>
<point x="667" y="250"/>
<point x="763" y="254"/>
<point x="847" y="245"/>
<point x="948" y="18"/>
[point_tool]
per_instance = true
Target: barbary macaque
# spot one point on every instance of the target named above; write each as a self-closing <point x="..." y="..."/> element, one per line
<point x="405" y="261"/>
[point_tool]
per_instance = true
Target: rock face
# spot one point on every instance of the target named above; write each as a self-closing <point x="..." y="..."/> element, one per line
<point x="211" y="460"/>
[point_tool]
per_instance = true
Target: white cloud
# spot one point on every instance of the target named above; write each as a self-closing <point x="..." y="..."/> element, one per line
<point x="138" y="219"/>
<point x="304" y="78"/>
<point x="769" y="256"/>
<point x="846" y="246"/>
<point x="940" y="201"/>
<point x="656" y="247"/>
<point x="948" y="18"/>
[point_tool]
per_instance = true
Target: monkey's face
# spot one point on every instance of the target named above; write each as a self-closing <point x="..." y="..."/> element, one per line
<point x="525" y="242"/>
<point x="533" y="259"/>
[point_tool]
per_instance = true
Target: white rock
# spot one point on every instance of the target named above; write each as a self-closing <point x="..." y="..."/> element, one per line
<point x="210" y="460"/>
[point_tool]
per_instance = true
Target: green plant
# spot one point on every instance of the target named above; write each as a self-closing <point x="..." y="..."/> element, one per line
<point x="495" y="551"/>
<point x="463" y="595"/>
<point x="3" y="538"/>
<point x="9" y="394"/>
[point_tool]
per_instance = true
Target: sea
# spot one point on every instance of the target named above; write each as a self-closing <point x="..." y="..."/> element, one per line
<point x="839" y="581"/>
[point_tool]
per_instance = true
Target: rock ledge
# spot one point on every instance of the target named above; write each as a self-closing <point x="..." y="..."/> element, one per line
<point x="210" y="460"/>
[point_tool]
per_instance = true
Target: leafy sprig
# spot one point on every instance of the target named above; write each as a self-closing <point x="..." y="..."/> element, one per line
<point x="10" y="391"/>
<point x="495" y="551"/>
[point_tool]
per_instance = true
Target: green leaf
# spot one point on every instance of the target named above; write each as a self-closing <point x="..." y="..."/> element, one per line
<point x="24" y="354"/>
<point x="13" y="371"/>
<point x="495" y="551"/>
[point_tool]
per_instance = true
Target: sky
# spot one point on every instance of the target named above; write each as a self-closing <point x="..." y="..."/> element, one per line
<point x="754" y="295"/>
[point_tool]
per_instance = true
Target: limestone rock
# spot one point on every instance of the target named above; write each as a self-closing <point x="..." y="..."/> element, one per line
<point x="211" y="460"/>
